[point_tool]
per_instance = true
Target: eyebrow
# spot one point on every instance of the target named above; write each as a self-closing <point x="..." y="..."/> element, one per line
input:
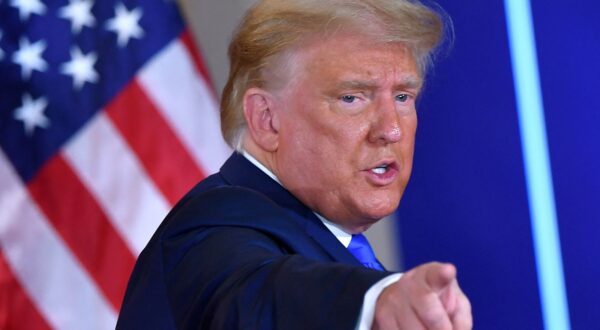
<point x="407" y="82"/>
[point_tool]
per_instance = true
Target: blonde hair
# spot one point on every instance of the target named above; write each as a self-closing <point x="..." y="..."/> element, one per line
<point x="273" y="26"/>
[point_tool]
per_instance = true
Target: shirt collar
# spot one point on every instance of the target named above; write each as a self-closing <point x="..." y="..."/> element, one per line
<point x="336" y="230"/>
<point x="262" y="167"/>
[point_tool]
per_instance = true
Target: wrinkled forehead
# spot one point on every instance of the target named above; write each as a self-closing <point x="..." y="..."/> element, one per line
<point x="345" y="51"/>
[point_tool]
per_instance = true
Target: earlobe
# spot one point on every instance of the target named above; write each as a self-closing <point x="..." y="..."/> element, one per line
<point x="261" y="118"/>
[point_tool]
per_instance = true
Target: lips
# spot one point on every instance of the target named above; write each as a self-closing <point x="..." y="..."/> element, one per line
<point x="380" y="170"/>
<point x="383" y="173"/>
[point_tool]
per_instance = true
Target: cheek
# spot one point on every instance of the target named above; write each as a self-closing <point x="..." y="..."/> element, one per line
<point x="345" y="140"/>
<point x="353" y="132"/>
<point x="407" y="144"/>
<point x="304" y="151"/>
<point x="325" y="136"/>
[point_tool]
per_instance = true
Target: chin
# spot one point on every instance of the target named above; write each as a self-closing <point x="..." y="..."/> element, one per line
<point x="379" y="208"/>
<point x="380" y="214"/>
<point x="374" y="213"/>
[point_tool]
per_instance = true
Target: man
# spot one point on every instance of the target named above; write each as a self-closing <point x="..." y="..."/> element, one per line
<point x="320" y="106"/>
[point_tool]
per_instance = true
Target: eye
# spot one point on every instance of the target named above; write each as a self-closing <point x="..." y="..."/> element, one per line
<point x="348" y="98"/>
<point x="402" y="97"/>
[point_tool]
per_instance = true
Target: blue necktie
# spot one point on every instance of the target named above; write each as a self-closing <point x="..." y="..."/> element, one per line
<point x="360" y="248"/>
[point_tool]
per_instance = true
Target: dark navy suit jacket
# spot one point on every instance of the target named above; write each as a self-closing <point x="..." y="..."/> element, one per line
<point x="240" y="252"/>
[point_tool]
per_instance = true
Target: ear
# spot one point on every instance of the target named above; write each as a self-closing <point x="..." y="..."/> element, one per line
<point x="262" y="118"/>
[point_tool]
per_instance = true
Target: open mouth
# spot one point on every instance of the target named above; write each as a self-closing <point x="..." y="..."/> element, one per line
<point x="383" y="173"/>
<point x="384" y="168"/>
<point x="380" y="169"/>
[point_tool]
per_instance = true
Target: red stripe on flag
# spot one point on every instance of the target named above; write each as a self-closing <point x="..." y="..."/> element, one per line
<point x="84" y="227"/>
<point x="188" y="41"/>
<point x="162" y="154"/>
<point x="17" y="311"/>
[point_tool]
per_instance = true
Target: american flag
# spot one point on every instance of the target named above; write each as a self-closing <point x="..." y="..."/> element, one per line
<point x="106" y="119"/>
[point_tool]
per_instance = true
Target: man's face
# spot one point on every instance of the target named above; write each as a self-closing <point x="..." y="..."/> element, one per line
<point x="347" y="124"/>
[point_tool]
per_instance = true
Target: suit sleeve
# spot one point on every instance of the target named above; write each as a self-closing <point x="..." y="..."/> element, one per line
<point x="242" y="278"/>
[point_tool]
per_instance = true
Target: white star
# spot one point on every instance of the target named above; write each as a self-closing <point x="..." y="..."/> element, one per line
<point x="29" y="57"/>
<point x="125" y="24"/>
<point x="79" y="12"/>
<point x="81" y="68"/>
<point x="31" y="113"/>
<point x="28" y="7"/>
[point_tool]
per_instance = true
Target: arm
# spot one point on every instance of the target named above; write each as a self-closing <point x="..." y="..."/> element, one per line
<point x="233" y="277"/>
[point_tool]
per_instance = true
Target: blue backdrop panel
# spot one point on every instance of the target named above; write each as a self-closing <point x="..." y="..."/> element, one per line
<point x="568" y="41"/>
<point x="467" y="201"/>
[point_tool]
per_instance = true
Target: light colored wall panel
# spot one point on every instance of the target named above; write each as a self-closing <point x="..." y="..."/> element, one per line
<point x="212" y="23"/>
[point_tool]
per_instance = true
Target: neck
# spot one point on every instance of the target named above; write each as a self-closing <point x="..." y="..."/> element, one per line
<point x="265" y="158"/>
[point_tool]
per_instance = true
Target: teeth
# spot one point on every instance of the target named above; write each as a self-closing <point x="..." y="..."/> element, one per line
<point x="379" y="170"/>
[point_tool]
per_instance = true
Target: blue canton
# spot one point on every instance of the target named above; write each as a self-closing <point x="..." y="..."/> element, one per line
<point x="62" y="61"/>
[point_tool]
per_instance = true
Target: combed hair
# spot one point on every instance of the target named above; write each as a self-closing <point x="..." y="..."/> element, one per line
<point x="271" y="27"/>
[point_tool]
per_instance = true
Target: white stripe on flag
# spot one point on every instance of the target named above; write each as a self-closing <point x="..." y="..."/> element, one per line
<point x="114" y="176"/>
<point x="172" y="82"/>
<point x="59" y="287"/>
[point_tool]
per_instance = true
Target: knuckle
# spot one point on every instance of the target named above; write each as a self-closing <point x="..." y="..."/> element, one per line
<point x="409" y="274"/>
<point x="469" y="323"/>
<point x="383" y="317"/>
<point x="465" y="303"/>
<point x="465" y="323"/>
<point x="436" y="319"/>
<point x="433" y="315"/>
<point x="405" y="286"/>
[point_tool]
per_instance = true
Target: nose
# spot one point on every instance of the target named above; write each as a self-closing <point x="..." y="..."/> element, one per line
<point x="385" y="127"/>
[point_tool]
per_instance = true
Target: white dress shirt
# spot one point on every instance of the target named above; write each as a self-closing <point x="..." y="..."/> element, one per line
<point x="365" y="319"/>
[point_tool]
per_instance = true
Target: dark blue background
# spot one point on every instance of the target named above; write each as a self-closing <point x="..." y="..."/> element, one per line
<point x="467" y="200"/>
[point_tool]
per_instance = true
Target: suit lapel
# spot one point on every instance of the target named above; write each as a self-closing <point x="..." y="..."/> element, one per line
<point x="238" y="171"/>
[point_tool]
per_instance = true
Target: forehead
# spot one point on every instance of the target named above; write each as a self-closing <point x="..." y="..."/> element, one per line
<point x="350" y="57"/>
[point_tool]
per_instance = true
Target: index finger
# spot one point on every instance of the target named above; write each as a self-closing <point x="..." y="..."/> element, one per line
<point x="439" y="276"/>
